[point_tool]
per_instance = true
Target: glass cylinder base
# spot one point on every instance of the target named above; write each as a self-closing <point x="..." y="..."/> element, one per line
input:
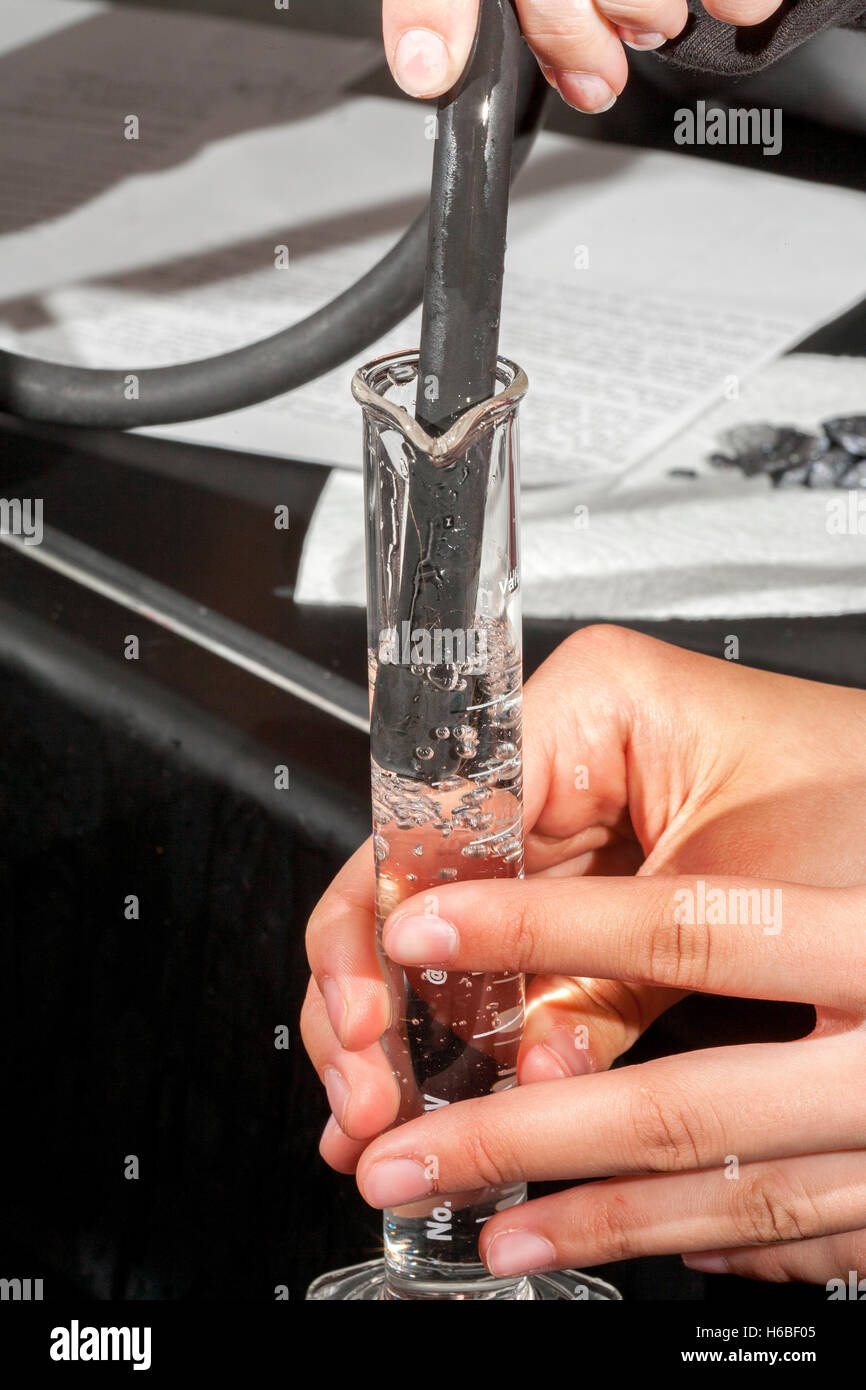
<point x="366" y="1283"/>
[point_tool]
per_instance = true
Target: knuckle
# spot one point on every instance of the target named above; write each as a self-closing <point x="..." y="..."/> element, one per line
<point x="560" y="48"/>
<point x="632" y="13"/>
<point x="601" y="651"/>
<point x="306" y="1020"/>
<point x="488" y="1155"/>
<point x="325" y="922"/>
<point x="850" y="910"/>
<point x="772" y="1266"/>
<point x="669" y="1130"/>
<point x="855" y="1255"/>
<point x="520" y="931"/>
<point x="677" y="954"/>
<point x="605" y="638"/>
<point x="772" y="1208"/>
<point x="606" y="1224"/>
<point x="615" y="1005"/>
<point x="312" y="935"/>
<point x="550" y="21"/>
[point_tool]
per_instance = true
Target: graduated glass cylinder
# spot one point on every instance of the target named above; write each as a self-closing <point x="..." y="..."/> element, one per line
<point x="444" y="639"/>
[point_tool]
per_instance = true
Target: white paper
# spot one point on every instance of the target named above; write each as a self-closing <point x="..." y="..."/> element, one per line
<point x="80" y="201"/>
<point x="657" y="546"/>
<point x="697" y="273"/>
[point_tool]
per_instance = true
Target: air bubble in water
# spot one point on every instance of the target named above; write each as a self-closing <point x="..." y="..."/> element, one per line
<point x="475" y="797"/>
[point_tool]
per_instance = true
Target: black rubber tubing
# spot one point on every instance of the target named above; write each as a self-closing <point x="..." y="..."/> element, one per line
<point x="59" y="394"/>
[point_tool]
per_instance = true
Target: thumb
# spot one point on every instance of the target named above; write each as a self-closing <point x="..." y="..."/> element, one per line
<point x="428" y="42"/>
<point x="580" y="1025"/>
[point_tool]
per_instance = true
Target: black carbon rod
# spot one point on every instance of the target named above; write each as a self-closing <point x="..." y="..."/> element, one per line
<point x="467" y="229"/>
<point x="457" y="369"/>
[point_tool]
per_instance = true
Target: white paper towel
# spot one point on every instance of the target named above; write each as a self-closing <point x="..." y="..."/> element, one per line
<point x="656" y="546"/>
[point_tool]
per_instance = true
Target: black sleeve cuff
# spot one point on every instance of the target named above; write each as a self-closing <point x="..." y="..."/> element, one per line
<point x="708" y="45"/>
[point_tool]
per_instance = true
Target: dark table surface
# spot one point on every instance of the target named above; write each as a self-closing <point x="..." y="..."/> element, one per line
<point x="200" y="521"/>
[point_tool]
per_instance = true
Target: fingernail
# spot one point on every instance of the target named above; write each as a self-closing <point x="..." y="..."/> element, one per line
<point x="642" y="38"/>
<point x="336" y="1005"/>
<point x="707" y="1262"/>
<point x="421" y="63"/>
<point x="556" y="1057"/>
<point x="420" y="940"/>
<point x="396" y="1181"/>
<point x="337" y="1089"/>
<point x="516" y="1252"/>
<point x="586" y="91"/>
<point x="331" y="1131"/>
